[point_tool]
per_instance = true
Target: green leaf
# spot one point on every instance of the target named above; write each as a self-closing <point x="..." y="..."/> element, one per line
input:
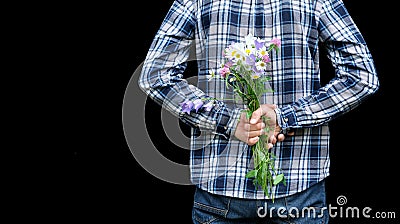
<point x="278" y="179"/>
<point x="251" y="174"/>
<point x="248" y="114"/>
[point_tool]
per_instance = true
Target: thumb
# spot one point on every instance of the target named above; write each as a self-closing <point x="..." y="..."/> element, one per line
<point x="261" y="111"/>
<point x="256" y="115"/>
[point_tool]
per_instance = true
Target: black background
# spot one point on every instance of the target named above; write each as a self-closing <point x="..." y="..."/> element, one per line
<point x="105" y="181"/>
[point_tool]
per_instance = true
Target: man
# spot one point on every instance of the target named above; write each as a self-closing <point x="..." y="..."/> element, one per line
<point x="299" y="105"/>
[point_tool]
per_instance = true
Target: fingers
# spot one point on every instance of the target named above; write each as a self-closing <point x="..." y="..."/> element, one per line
<point x="247" y="132"/>
<point x="254" y="130"/>
<point x="254" y="127"/>
<point x="291" y="133"/>
<point x="252" y="141"/>
<point x="273" y="139"/>
<point x="254" y="133"/>
<point x="250" y="131"/>
<point x="280" y="137"/>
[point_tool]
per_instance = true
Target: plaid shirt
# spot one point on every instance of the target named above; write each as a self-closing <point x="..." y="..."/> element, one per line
<point x="200" y="30"/>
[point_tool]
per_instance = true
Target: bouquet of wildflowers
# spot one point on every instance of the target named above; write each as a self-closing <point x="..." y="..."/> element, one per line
<point x="244" y="70"/>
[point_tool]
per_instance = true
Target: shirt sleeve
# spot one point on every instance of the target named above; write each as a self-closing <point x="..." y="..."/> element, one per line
<point x="162" y="79"/>
<point x="355" y="72"/>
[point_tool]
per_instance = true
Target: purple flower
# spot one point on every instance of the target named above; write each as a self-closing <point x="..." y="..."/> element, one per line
<point x="197" y="104"/>
<point x="208" y="106"/>
<point x="258" y="44"/>
<point x="251" y="59"/>
<point x="187" y="106"/>
<point x="228" y="64"/>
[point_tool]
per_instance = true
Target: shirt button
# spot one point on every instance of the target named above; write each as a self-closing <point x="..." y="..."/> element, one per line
<point x="286" y="119"/>
<point x="225" y="127"/>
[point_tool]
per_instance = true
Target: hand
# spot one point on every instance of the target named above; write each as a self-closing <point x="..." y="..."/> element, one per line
<point x="268" y="110"/>
<point x="248" y="131"/>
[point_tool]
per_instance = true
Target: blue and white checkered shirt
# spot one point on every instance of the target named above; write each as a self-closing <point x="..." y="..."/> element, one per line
<point x="200" y="30"/>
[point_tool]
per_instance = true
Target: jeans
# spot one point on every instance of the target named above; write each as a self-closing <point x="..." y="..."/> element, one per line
<point x="308" y="206"/>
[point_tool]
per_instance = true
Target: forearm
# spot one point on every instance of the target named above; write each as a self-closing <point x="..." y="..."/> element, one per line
<point x="220" y="120"/>
<point x="355" y="80"/>
<point x="355" y="75"/>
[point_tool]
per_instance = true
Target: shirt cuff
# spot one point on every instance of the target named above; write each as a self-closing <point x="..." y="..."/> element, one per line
<point x="227" y="121"/>
<point x="286" y="118"/>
